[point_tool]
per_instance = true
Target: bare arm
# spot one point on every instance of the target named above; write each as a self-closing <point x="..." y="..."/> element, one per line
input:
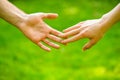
<point x="111" y="17"/>
<point x="92" y="29"/>
<point x="32" y="25"/>
<point x="11" y="13"/>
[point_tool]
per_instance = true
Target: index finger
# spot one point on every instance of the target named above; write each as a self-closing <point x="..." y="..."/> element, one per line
<point x="56" y="32"/>
<point x="74" y="38"/>
<point x="73" y="27"/>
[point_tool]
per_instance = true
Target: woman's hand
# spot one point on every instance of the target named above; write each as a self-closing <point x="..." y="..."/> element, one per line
<point x="92" y="29"/>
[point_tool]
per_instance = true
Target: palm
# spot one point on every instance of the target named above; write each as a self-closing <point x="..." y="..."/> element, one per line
<point x="38" y="31"/>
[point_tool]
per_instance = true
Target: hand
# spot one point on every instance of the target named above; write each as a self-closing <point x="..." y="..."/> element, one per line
<point x="92" y="29"/>
<point x="38" y="31"/>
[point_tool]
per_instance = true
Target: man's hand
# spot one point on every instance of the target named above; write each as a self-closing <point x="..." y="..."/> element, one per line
<point x="31" y="25"/>
<point x="38" y="31"/>
<point x="92" y="29"/>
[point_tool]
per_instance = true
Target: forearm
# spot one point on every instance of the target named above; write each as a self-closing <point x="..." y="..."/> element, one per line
<point x="11" y="13"/>
<point x="111" y="17"/>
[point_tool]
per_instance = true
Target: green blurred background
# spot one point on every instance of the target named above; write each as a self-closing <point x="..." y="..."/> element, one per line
<point x="20" y="59"/>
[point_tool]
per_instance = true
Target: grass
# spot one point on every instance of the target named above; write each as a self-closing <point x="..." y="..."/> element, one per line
<point x="20" y="59"/>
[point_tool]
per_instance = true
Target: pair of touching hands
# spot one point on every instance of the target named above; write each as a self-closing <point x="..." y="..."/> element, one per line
<point x="34" y="27"/>
<point x="39" y="32"/>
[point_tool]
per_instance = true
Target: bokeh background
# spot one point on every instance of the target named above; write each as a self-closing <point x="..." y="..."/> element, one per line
<point x="20" y="59"/>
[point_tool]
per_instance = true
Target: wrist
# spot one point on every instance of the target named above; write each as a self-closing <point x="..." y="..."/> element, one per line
<point x="111" y="17"/>
<point x="105" y="22"/>
<point x="10" y="13"/>
<point x="19" y="20"/>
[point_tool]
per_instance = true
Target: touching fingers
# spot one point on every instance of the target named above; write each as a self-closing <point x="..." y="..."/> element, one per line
<point x="70" y="33"/>
<point x="56" y="32"/>
<point x="54" y="38"/>
<point x="43" y="46"/>
<point x="74" y="38"/>
<point x="73" y="27"/>
<point x="51" y="44"/>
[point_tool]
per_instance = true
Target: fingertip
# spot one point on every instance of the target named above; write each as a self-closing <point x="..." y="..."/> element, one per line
<point x="44" y="47"/>
<point x="64" y="31"/>
<point x="89" y="45"/>
<point x="84" y="49"/>
<point x="56" y="32"/>
<point x="51" y="15"/>
<point x="61" y="35"/>
<point x="63" y="42"/>
<point x="49" y="50"/>
<point x="56" y="14"/>
<point x="57" y="46"/>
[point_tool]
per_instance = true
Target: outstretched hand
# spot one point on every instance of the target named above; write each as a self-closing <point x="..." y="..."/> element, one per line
<point x="38" y="31"/>
<point x="92" y="29"/>
<point x="33" y="26"/>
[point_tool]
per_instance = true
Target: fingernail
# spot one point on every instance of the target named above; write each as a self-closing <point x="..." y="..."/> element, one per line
<point x="57" y="46"/>
<point x="63" y="42"/>
<point x="60" y="35"/>
<point x="49" y="50"/>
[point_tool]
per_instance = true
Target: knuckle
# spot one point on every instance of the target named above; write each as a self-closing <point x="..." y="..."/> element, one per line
<point x="83" y="34"/>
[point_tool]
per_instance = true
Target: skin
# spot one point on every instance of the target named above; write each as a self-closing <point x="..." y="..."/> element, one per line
<point x="35" y="29"/>
<point x="31" y="25"/>
<point x="94" y="29"/>
<point x="38" y="31"/>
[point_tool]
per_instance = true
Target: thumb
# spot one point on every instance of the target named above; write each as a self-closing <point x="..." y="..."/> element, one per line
<point x="89" y="44"/>
<point x="49" y="15"/>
